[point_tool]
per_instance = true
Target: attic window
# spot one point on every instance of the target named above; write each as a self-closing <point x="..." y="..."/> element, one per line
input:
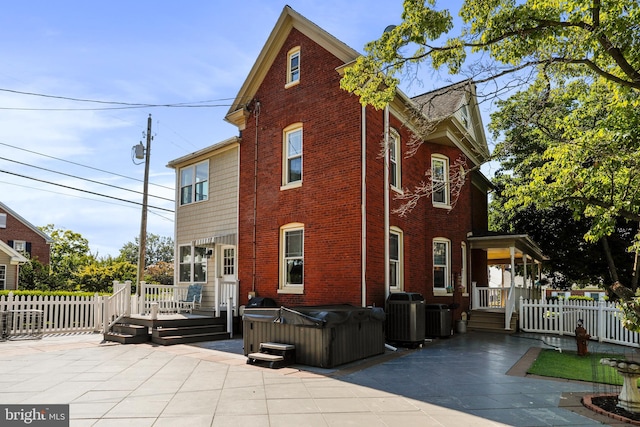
<point x="464" y="112"/>
<point x="293" y="67"/>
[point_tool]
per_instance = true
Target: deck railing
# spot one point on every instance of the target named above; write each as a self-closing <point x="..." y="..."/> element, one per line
<point x="117" y="305"/>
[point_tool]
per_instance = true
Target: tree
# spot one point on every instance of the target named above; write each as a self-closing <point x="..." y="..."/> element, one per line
<point x="158" y="249"/>
<point x="160" y="272"/>
<point x="69" y="252"/>
<point x="503" y="38"/>
<point x="99" y="276"/>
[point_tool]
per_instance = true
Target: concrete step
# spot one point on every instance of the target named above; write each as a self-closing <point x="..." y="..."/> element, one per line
<point x="184" y="339"/>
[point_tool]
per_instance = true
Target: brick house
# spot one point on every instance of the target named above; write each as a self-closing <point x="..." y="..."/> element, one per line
<point x="311" y="210"/>
<point x="19" y="241"/>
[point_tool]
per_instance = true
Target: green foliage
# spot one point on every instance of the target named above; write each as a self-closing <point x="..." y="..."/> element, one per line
<point x="569" y="38"/>
<point x="69" y="252"/>
<point x="99" y="277"/>
<point x="160" y="272"/>
<point x="579" y="298"/>
<point x="158" y="249"/>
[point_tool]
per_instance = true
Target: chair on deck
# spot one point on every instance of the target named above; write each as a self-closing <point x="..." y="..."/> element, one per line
<point x="192" y="300"/>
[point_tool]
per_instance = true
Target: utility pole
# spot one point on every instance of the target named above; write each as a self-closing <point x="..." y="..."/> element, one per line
<point x="142" y="247"/>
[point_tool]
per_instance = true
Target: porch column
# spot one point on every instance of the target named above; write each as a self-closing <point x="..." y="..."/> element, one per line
<point x="512" y="252"/>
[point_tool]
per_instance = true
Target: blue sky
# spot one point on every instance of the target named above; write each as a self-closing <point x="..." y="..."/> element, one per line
<point x="143" y="52"/>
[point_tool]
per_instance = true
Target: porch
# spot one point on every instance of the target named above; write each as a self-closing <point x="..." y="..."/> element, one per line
<point x="495" y="308"/>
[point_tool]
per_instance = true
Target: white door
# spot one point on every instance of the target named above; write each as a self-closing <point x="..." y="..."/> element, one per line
<point x="228" y="264"/>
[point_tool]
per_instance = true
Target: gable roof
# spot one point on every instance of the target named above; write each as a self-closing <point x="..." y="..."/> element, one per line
<point x="16" y="257"/>
<point x="288" y="19"/>
<point x="35" y="229"/>
<point x="443" y="102"/>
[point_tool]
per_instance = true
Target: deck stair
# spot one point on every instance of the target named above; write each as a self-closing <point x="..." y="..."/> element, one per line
<point x="273" y="355"/>
<point x="126" y="333"/>
<point x="169" y="329"/>
<point x="491" y="321"/>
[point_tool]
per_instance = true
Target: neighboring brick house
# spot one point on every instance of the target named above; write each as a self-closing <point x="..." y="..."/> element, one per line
<point x="312" y="224"/>
<point x="19" y="241"/>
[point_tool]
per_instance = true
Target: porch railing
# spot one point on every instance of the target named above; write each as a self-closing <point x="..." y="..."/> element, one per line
<point x="487" y="298"/>
<point x="117" y="305"/>
<point x="227" y="294"/>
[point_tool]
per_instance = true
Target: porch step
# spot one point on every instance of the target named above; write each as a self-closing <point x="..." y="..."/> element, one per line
<point x="493" y="321"/>
<point x="180" y="338"/>
<point x="125" y="333"/>
<point x="273" y="355"/>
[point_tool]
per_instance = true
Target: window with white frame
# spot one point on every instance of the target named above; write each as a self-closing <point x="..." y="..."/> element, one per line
<point x="396" y="264"/>
<point x="394" y="159"/>
<point x="292" y="171"/>
<point x="3" y="220"/>
<point x="3" y="277"/>
<point x="228" y="262"/>
<point x="293" y="66"/>
<point x="463" y="273"/>
<point x="193" y="264"/>
<point x="20" y="246"/>
<point x="292" y="256"/>
<point x="194" y="183"/>
<point x="440" y="180"/>
<point x="441" y="264"/>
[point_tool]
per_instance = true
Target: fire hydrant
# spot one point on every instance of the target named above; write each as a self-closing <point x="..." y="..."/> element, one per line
<point x="582" y="337"/>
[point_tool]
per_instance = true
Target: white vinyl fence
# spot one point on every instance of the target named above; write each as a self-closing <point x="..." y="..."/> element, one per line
<point x="601" y="319"/>
<point x="58" y="314"/>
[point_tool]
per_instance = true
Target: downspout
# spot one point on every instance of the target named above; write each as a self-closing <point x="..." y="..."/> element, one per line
<point x="256" y="113"/>
<point x="386" y="203"/>
<point x="363" y="207"/>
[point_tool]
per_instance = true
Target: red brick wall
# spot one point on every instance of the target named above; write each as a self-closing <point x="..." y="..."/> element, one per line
<point x="16" y="230"/>
<point x="327" y="203"/>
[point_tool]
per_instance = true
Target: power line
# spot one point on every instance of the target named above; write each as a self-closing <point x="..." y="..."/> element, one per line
<point x="84" y="179"/>
<point x="84" y="166"/>
<point x="83" y="198"/>
<point x="84" y="191"/>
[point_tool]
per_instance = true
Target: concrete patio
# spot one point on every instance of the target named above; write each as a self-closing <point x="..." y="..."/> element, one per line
<point x="459" y="381"/>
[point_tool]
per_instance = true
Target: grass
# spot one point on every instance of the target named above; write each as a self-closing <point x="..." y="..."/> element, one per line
<point x="570" y="366"/>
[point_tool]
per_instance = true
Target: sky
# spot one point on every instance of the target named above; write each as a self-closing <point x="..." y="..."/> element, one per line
<point x="192" y="52"/>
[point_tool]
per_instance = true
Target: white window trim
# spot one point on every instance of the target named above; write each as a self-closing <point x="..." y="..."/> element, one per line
<point x="193" y="184"/>
<point x="400" y="278"/>
<point x="20" y="246"/>
<point x="447" y="189"/>
<point x="447" y="274"/>
<point x="192" y="263"/>
<point x="3" y="277"/>
<point x="397" y="153"/>
<point x="285" y="156"/>
<point x="3" y="220"/>
<point x="464" y="271"/>
<point x="290" y="81"/>
<point x="283" y="287"/>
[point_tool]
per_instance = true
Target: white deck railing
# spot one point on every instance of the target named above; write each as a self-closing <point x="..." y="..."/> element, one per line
<point x="117" y="305"/>
<point x="486" y="298"/>
<point x="601" y="319"/>
<point x="226" y="293"/>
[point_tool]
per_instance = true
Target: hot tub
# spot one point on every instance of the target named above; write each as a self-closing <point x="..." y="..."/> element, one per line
<point x="324" y="336"/>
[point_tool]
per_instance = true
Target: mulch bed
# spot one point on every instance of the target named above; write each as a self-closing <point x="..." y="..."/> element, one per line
<point x="608" y="405"/>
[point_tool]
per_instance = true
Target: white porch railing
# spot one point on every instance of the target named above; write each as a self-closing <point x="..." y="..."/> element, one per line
<point x="117" y="305"/>
<point x="486" y="298"/>
<point x="163" y="295"/>
<point x="227" y="293"/>
<point x="601" y="319"/>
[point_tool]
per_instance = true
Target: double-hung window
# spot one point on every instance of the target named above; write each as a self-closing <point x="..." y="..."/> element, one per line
<point x="292" y="171"/>
<point x="396" y="267"/>
<point x="394" y="159"/>
<point x="193" y="264"/>
<point x="441" y="264"/>
<point x="440" y="181"/>
<point x="194" y="183"/>
<point x="292" y="258"/>
<point x="3" y="277"/>
<point x="293" y="66"/>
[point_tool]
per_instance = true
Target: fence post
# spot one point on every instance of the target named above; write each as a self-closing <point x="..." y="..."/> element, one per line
<point x="601" y="330"/>
<point x="141" y="300"/>
<point x="127" y="303"/>
<point x="230" y="315"/>
<point x="520" y="312"/>
<point x="561" y="315"/>
<point x="97" y="312"/>
<point x="10" y="301"/>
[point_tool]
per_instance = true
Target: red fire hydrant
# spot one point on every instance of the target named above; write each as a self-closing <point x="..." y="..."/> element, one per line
<point x="582" y="337"/>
